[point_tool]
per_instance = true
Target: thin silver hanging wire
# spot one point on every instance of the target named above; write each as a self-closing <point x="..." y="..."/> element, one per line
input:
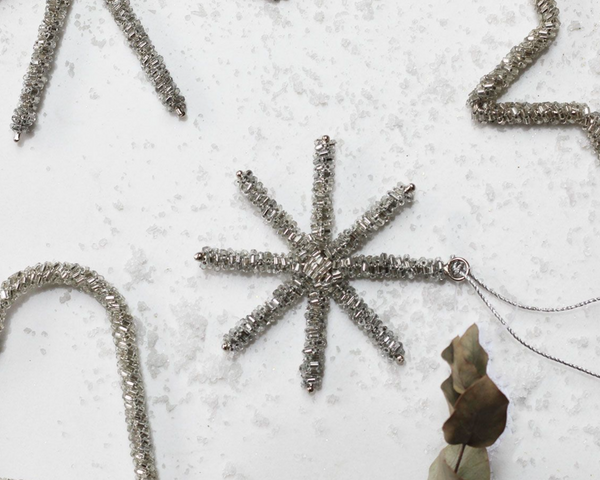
<point x="458" y="269"/>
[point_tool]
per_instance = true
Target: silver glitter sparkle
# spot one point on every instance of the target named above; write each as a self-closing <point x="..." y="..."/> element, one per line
<point x="44" y="50"/>
<point x="123" y="332"/>
<point x="320" y="267"/>
<point x="483" y="101"/>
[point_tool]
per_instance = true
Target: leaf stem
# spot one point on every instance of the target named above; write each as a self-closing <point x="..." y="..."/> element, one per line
<point x="460" y="457"/>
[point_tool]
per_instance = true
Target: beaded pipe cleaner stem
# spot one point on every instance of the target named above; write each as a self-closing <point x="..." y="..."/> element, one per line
<point x="123" y="332"/>
<point x="321" y="268"/>
<point x="483" y="100"/>
<point x="44" y="49"/>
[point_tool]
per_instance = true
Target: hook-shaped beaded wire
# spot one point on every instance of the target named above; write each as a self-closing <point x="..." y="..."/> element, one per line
<point x="123" y="332"/>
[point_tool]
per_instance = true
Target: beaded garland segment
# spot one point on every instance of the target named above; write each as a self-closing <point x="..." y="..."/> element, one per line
<point x="320" y="267"/>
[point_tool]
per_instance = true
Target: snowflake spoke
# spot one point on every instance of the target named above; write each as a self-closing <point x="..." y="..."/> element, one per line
<point x="281" y="221"/>
<point x="373" y="220"/>
<point x="368" y="321"/>
<point x="244" y="261"/>
<point x="322" y="212"/>
<point x="313" y="366"/>
<point x="384" y="266"/>
<point x="254" y="325"/>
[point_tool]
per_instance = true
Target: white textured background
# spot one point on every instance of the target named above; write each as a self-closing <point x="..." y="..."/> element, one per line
<point x="112" y="181"/>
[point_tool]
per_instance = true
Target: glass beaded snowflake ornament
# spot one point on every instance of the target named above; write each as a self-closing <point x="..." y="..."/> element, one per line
<point x="44" y="49"/>
<point x="320" y="267"/>
<point x="483" y="101"/>
<point x="124" y="336"/>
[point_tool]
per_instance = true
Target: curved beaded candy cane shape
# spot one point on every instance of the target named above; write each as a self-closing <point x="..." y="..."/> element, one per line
<point x="320" y="267"/>
<point x="44" y="49"/>
<point x="484" y="99"/>
<point x="123" y="331"/>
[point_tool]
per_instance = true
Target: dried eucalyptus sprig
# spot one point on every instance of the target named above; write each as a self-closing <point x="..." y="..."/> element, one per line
<point x="477" y="412"/>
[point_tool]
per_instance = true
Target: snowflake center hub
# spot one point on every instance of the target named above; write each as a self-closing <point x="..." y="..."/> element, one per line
<point x="320" y="268"/>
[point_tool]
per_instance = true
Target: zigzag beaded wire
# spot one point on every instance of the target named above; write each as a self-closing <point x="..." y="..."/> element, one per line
<point x="123" y="331"/>
<point x="44" y="50"/>
<point x="483" y="100"/>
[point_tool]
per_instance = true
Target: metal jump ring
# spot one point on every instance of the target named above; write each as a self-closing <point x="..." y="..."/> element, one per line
<point x="457" y="269"/>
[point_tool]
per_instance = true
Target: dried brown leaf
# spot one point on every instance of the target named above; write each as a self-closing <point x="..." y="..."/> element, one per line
<point x="451" y="395"/>
<point x="475" y="463"/>
<point x="440" y="470"/>
<point x="472" y="351"/>
<point x="479" y="416"/>
<point x="448" y="354"/>
<point x="469" y="360"/>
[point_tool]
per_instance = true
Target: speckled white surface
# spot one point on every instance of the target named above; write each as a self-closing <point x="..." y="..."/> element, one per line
<point x="112" y="181"/>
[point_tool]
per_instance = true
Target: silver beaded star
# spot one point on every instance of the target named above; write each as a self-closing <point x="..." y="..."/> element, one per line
<point x="483" y="101"/>
<point x="320" y="267"/>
